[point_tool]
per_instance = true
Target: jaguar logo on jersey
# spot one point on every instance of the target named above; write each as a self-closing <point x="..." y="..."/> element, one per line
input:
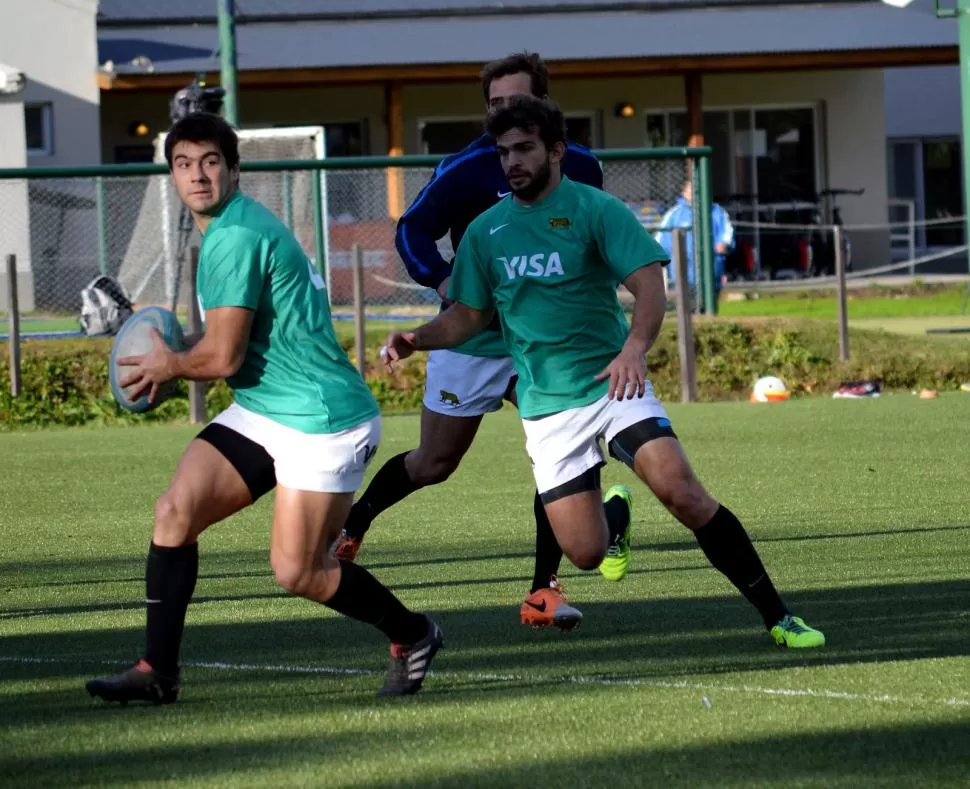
<point x="538" y="265"/>
<point x="556" y="224"/>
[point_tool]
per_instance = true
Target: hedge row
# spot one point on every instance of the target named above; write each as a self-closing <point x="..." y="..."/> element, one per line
<point x="66" y="382"/>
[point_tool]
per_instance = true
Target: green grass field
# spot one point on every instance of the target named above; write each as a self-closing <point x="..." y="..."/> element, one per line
<point x="870" y="304"/>
<point x="859" y="509"/>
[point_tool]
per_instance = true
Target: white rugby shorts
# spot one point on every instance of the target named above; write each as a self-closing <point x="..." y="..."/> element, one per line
<point x="563" y="446"/>
<point x="461" y="385"/>
<point x="317" y="462"/>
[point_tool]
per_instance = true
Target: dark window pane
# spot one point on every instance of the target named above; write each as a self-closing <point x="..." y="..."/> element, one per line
<point x="345" y="139"/>
<point x="786" y="166"/>
<point x="902" y="170"/>
<point x="580" y="130"/>
<point x="745" y="146"/>
<point x="717" y="135"/>
<point x="656" y="130"/>
<point x="678" y="130"/>
<point x="943" y="191"/>
<point x="445" y="137"/>
<point x="36" y="127"/>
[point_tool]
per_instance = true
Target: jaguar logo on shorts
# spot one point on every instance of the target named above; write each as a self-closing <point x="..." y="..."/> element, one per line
<point x="450" y="398"/>
<point x="561" y="222"/>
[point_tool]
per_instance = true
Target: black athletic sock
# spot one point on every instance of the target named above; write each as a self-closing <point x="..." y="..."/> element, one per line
<point x="617" y="517"/>
<point x="170" y="575"/>
<point x="548" y="552"/>
<point x="727" y="546"/>
<point x="362" y="597"/>
<point x="390" y="485"/>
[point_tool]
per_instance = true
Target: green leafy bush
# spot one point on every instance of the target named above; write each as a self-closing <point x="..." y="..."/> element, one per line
<point x="65" y="382"/>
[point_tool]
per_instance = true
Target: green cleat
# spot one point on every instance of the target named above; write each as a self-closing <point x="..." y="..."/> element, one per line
<point x="792" y="632"/>
<point x="617" y="560"/>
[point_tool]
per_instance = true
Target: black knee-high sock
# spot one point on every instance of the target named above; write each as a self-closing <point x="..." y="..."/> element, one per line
<point x="617" y="518"/>
<point x="390" y="485"/>
<point x="727" y="546"/>
<point x="362" y="597"/>
<point x="548" y="552"/>
<point x="170" y="575"/>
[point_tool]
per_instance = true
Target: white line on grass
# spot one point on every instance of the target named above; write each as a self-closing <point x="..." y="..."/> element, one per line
<point x="576" y="680"/>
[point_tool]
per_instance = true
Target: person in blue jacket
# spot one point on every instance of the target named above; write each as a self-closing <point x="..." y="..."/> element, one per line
<point x="465" y="383"/>
<point x="722" y="232"/>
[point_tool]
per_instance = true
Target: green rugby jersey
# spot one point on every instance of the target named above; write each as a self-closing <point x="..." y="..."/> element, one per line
<point x="295" y="372"/>
<point x="551" y="271"/>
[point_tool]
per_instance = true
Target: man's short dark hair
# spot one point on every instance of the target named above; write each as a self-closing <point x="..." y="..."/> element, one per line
<point x="519" y="63"/>
<point x="204" y="127"/>
<point x="530" y="114"/>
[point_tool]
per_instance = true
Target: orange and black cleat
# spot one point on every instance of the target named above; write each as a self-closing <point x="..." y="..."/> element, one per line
<point x="547" y="607"/>
<point x="345" y="547"/>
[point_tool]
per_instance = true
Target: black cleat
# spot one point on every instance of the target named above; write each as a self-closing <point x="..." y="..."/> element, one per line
<point x="139" y="683"/>
<point x="409" y="663"/>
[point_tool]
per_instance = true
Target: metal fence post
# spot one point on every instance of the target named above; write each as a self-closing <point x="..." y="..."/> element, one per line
<point x="843" y="298"/>
<point x="13" y="318"/>
<point x="319" y="248"/>
<point x="288" y="198"/>
<point x="196" y="388"/>
<point x="685" y="327"/>
<point x="357" y="263"/>
<point x="102" y="224"/>
<point x="704" y="244"/>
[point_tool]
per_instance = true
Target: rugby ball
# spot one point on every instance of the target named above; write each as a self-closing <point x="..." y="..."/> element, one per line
<point x="134" y="339"/>
<point x="769" y="389"/>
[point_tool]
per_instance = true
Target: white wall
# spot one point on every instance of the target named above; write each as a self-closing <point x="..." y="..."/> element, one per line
<point x="54" y="42"/>
<point x="14" y="223"/>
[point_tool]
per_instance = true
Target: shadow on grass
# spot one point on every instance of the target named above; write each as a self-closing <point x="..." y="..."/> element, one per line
<point x="905" y="755"/>
<point x="691" y="545"/>
<point x="634" y="639"/>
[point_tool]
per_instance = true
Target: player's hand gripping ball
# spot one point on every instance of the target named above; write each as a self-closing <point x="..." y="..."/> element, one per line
<point x="137" y="342"/>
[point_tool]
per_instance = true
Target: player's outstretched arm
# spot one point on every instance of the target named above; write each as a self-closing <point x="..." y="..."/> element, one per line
<point x="628" y="371"/>
<point x="457" y="324"/>
<point x="219" y="353"/>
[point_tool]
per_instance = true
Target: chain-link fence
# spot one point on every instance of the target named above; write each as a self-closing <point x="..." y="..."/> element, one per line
<point x="66" y="230"/>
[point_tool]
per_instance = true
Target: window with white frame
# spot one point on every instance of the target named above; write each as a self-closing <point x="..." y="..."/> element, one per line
<point x="449" y="135"/>
<point x="39" y="129"/>
<point x="928" y="173"/>
<point x="347" y="138"/>
<point x="769" y="152"/>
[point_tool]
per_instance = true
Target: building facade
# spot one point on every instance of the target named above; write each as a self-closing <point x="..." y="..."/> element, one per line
<point x="56" y="118"/>
<point x="791" y="96"/>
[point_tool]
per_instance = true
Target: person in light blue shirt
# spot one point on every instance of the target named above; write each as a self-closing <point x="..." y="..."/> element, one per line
<point x="722" y="231"/>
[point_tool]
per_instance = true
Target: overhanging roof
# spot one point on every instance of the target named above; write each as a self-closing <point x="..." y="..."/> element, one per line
<point x="268" y="46"/>
<point x="126" y="12"/>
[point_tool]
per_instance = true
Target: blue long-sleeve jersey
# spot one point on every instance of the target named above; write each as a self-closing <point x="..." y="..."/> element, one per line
<point x="682" y="215"/>
<point x="462" y="187"/>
